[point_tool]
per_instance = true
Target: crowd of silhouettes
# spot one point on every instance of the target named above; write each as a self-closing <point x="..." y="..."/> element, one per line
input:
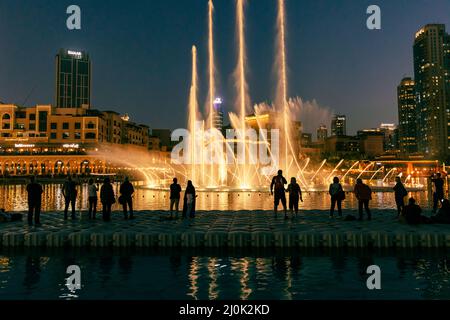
<point x="410" y="213"/>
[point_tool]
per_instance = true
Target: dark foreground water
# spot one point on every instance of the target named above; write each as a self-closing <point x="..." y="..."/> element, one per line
<point x="285" y="275"/>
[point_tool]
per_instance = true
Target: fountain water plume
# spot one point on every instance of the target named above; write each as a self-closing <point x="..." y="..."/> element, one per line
<point x="334" y="170"/>
<point x="376" y="172"/>
<point x="365" y="169"/>
<point x="211" y="74"/>
<point x="193" y="110"/>
<point x="241" y="81"/>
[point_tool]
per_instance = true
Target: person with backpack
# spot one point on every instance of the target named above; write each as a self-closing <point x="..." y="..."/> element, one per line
<point x="126" y="191"/>
<point x="295" y="195"/>
<point x="107" y="198"/>
<point x="364" y="194"/>
<point x="337" y="195"/>
<point x="400" y="194"/>
<point x="278" y="190"/>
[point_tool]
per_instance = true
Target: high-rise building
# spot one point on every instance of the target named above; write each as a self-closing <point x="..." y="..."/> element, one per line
<point x="218" y="114"/>
<point x="73" y="79"/>
<point x="407" y="124"/>
<point x="322" y="133"/>
<point x="339" y="125"/>
<point x="390" y="137"/>
<point x="432" y="84"/>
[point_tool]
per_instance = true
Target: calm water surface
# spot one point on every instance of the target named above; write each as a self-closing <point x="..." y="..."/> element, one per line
<point x="248" y="276"/>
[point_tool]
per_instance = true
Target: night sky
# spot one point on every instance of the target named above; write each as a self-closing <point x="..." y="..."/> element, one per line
<point x="140" y="52"/>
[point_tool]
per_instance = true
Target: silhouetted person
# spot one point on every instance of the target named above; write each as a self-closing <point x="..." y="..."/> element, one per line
<point x="175" y="195"/>
<point x="443" y="215"/>
<point x="364" y="194"/>
<point x="278" y="191"/>
<point x="34" y="191"/>
<point x="412" y="213"/>
<point x="70" y="196"/>
<point x="189" y="201"/>
<point x="295" y="195"/>
<point x="107" y="198"/>
<point x="127" y="190"/>
<point x="438" y="194"/>
<point x="400" y="194"/>
<point x="93" y="199"/>
<point x="337" y="196"/>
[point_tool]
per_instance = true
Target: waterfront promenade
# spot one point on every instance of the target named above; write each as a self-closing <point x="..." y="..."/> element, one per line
<point x="238" y="229"/>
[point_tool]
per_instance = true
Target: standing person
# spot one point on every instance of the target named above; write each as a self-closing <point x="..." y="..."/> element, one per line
<point x="189" y="201"/>
<point x="107" y="198"/>
<point x="364" y="195"/>
<point x="279" y="182"/>
<point x="70" y="196"/>
<point x="92" y="191"/>
<point x="337" y="194"/>
<point x="438" y="194"/>
<point x="34" y="191"/>
<point x="127" y="190"/>
<point x="400" y="194"/>
<point x="175" y="195"/>
<point x="295" y="194"/>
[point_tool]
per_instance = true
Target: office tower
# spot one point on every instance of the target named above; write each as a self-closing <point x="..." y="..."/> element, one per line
<point x="73" y="79"/>
<point x="339" y="125"/>
<point x="432" y="84"/>
<point x="407" y="124"/>
<point x="322" y="133"/>
<point x="218" y="114"/>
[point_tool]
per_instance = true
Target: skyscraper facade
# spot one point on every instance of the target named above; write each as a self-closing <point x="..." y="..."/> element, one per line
<point x="218" y="114"/>
<point x="322" y="133"/>
<point x="407" y="128"/>
<point x="339" y="125"/>
<point x="432" y="85"/>
<point x="73" y="79"/>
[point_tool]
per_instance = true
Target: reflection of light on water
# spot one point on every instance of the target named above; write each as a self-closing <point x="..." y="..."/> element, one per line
<point x="193" y="278"/>
<point x="67" y="294"/>
<point x="288" y="289"/>
<point x="213" y="268"/>
<point x="243" y="265"/>
<point x="4" y="264"/>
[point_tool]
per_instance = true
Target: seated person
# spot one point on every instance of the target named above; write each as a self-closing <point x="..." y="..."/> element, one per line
<point x="6" y="217"/>
<point x="412" y="213"/>
<point x="443" y="215"/>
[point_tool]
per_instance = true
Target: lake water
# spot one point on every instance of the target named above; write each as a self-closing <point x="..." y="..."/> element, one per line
<point x="299" y="275"/>
<point x="14" y="198"/>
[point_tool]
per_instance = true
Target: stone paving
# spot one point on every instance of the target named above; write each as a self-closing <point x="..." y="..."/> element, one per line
<point x="216" y="229"/>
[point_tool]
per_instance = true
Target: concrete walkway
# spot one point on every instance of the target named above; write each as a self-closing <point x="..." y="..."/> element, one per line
<point x="215" y="229"/>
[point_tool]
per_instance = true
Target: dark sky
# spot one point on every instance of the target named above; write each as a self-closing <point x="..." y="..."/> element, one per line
<point x="141" y="53"/>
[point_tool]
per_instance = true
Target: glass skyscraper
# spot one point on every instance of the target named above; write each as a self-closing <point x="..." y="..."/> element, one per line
<point x="407" y="116"/>
<point x="73" y="79"/>
<point x="431" y="69"/>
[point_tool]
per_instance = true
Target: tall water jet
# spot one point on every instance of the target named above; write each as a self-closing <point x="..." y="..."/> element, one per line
<point x="242" y="95"/>
<point x="193" y="108"/>
<point x="282" y="76"/>
<point x="212" y="85"/>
